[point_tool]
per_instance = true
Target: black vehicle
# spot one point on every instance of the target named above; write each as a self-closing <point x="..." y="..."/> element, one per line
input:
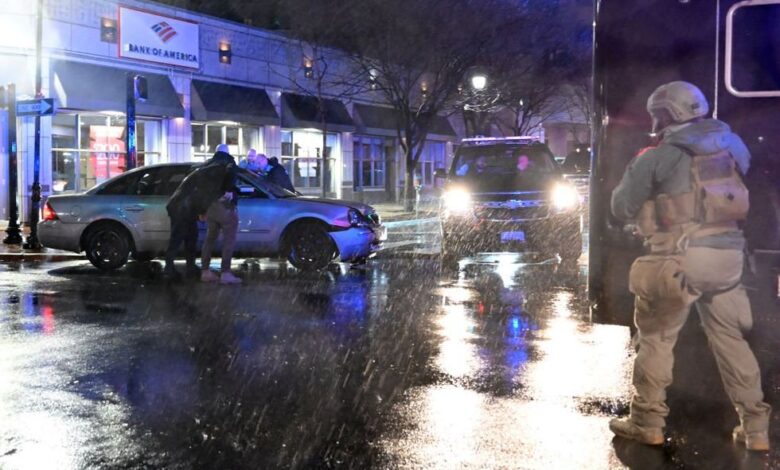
<point x="731" y="53"/>
<point x="508" y="194"/>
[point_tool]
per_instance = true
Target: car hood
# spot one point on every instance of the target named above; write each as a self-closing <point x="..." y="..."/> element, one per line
<point x="507" y="183"/>
<point x="363" y="208"/>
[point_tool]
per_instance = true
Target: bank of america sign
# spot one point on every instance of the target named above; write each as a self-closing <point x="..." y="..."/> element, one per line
<point x="155" y="38"/>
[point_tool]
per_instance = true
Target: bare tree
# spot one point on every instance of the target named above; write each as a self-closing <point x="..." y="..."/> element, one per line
<point x="316" y="69"/>
<point x="417" y="53"/>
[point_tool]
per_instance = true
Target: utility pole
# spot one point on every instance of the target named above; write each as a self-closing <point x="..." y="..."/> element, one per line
<point x="35" y="206"/>
<point x="13" y="234"/>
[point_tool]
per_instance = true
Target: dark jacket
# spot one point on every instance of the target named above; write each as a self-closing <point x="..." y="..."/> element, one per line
<point x="229" y="180"/>
<point x="278" y="175"/>
<point x="204" y="185"/>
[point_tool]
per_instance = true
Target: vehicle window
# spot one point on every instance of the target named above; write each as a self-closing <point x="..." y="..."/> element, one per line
<point x="150" y="182"/>
<point x="248" y="190"/>
<point x="478" y="161"/>
<point x="273" y="189"/>
<point x="174" y="177"/>
<point x="125" y="184"/>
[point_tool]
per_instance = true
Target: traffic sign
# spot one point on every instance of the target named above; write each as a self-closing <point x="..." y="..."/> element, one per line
<point x="39" y="107"/>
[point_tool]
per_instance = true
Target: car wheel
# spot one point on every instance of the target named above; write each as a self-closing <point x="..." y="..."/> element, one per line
<point x="107" y="247"/>
<point x="309" y="247"/>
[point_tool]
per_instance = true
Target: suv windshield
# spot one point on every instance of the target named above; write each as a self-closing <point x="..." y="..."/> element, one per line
<point x="480" y="162"/>
<point x="504" y="167"/>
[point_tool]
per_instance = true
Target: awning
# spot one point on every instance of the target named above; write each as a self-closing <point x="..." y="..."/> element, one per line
<point x="220" y="102"/>
<point x="92" y="87"/>
<point x="299" y="111"/>
<point x="379" y="120"/>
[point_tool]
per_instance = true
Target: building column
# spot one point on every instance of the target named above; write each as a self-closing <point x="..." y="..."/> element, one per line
<point x="344" y="171"/>
<point x="178" y="131"/>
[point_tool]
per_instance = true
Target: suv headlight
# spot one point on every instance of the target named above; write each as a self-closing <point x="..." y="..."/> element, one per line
<point x="565" y="197"/>
<point x="457" y="201"/>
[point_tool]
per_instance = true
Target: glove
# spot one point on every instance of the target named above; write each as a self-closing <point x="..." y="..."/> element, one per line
<point x="227" y="197"/>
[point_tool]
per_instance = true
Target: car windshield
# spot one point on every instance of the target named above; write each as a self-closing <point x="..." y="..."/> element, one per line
<point x="487" y="162"/>
<point x="276" y="190"/>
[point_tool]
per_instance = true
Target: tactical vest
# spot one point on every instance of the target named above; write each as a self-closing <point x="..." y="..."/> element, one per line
<point x="718" y="200"/>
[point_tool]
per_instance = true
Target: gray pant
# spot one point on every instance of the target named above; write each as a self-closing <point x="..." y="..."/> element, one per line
<point x="220" y="217"/>
<point x="724" y="313"/>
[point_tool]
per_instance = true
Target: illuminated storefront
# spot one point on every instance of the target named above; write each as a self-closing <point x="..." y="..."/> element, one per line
<point x="209" y="82"/>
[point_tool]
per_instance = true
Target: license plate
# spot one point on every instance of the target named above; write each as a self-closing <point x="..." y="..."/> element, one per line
<point x="518" y="236"/>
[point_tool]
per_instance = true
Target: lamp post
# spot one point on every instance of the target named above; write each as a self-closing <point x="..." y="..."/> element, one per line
<point x="35" y="205"/>
<point x="13" y="233"/>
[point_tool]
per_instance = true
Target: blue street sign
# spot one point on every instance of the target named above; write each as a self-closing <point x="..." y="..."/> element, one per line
<point x="39" y="107"/>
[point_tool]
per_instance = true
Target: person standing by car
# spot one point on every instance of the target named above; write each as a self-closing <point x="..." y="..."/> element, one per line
<point x="192" y="199"/>
<point x="272" y="171"/>
<point x="251" y="162"/>
<point x="184" y="229"/>
<point x="696" y="247"/>
<point x="222" y="216"/>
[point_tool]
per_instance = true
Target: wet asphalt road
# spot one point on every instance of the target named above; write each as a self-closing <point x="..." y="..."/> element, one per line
<point x="397" y="365"/>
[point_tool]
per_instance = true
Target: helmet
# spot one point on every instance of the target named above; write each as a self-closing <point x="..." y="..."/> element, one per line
<point x="682" y="100"/>
<point x="223" y="148"/>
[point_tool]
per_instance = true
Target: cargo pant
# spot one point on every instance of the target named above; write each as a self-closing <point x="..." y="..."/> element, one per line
<point x="724" y="310"/>
<point x="222" y="217"/>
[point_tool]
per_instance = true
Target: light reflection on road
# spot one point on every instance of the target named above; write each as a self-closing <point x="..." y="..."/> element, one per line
<point x="564" y="377"/>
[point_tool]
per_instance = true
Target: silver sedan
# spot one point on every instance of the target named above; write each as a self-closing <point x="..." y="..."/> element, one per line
<point x="126" y="216"/>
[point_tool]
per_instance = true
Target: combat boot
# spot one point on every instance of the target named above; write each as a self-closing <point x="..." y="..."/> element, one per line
<point x="757" y="441"/>
<point x="627" y="429"/>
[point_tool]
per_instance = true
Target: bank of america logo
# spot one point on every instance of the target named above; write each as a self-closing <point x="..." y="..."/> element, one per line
<point x="164" y="31"/>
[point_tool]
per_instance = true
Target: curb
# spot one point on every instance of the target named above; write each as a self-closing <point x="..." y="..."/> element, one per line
<point x="38" y="256"/>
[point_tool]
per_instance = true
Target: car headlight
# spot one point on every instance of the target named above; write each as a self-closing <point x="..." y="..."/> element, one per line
<point x="457" y="201"/>
<point x="565" y="197"/>
<point x="355" y="218"/>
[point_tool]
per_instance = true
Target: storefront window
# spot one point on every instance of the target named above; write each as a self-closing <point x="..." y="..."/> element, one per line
<point x="302" y="156"/>
<point x="88" y="149"/>
<point x="207" y="136"/>
<point x="434" y="156"/>
<point x="370" y="154"/>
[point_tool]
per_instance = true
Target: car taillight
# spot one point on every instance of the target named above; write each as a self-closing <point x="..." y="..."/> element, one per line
<point x="48" y="212"/>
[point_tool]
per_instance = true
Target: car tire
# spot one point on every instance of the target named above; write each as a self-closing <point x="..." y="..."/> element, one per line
<point x="309" y="247"/>
<point x="107" y="246"/>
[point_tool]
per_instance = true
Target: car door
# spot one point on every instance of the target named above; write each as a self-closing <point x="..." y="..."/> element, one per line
<point x="257" y="214"/>
<point x="144" y="206"/>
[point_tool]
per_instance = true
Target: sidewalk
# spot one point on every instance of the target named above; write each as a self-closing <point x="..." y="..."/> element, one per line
<point x="18" y="253"/>
<point x="394" y="212"/>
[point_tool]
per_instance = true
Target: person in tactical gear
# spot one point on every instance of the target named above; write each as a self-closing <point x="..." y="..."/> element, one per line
<point x="688" y="198"/>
